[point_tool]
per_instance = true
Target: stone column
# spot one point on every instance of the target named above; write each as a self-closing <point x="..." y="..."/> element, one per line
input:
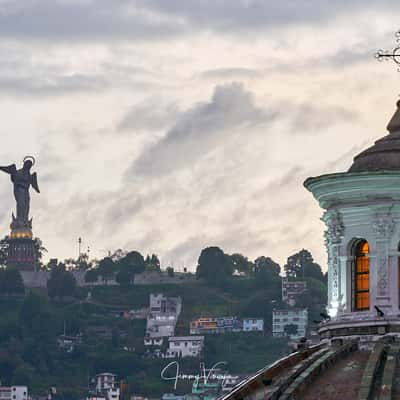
<point x="333" y="238"/>
<point x="383" y="226"/>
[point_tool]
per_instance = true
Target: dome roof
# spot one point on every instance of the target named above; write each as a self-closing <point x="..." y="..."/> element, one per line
<point x="384" y="155"/>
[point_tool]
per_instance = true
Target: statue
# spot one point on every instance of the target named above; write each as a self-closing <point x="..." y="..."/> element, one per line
<point x="22" y="180"/>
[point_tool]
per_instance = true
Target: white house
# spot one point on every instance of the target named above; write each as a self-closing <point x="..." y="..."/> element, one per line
<point x="13" y="392"/>
<point x="253" y="324"/>
<point x="283" y="318"/>
<point x="185" y="346"/>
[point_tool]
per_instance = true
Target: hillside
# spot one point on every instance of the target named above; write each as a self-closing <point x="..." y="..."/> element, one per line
<point x="29" y="329"/>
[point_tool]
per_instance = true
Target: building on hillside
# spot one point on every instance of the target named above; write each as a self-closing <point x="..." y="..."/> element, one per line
<point x="215" y="325"/>
<point x="292" y="290"/>
<point x="297" y="319"/>
<point x="185" y="346"/>
<point x="253" y="325"/>
<point x="163" y="316"/>
<point x="105" y="386"/>
<point x="68" y="342"/>
<point x="161" y="304"/>
<point x="148" y="341"/>
<point x="13" y="393"/>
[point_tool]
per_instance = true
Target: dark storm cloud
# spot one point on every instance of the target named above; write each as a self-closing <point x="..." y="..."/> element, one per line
<point x="201" y="128"/>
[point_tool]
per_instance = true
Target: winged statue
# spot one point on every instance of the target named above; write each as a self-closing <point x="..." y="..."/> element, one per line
<point x="22" y="180"/>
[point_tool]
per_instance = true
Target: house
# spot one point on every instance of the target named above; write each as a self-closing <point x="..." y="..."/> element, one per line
<point x="185" y="346"/>
<point x="161" y="304"/>
<point x="291" y="290"/>
<point x="106" y="386"/>
<point x="163" y="317"/>
<point x="68" y="342"/>
<point x="13" y="392"/>
<point x="148" y="341"/>
<point x="215" y="325"/>
<point x="253" y="325"/>
<point x="292" y="323"/>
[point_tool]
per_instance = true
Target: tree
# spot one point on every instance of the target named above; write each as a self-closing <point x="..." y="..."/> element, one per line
<point x="11" y="282"/>
<point x="152" y="263"/>
<point x="39" y="250"/>
<point x="266" y="264"/>
<point x="106" y="268"/>
<point x="91" y="275"/>
<point x="4" y="246"/>
<point x="241" y="264"/>
<point x="61" y="284"/>
<point x="301" y="265"/>
<point x="214" y="266"/>
<point x="291" y="329"/>
<point x="170" y="272"/>
<point x="128" y="266"/>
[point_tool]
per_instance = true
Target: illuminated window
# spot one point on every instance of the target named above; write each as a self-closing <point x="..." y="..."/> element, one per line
<point x="361" y="278"/>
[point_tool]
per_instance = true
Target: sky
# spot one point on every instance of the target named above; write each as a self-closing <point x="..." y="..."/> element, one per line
<point x="169" y="126"/>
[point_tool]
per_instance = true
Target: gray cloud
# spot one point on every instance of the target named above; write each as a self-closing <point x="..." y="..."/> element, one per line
<point x="231" y="111"/>
<point x="230" y="73"/>
<point x="149" y="115"/>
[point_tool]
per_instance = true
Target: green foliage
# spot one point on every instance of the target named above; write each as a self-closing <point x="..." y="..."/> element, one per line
<point x="241" y="264"/>
<point x="106" y="268"/>
<point x="152" y="263"/>
<point x="91" y="275"/>
<point x="301" y="265"/>
<point x="214" y="266"/>
<point x="128" y="266"/>
<point x="61" y="284"/>
<point x="170" y="271"/>
<point x="11" y="282"/>
<point x="291" y="329"/>
<point x="4" y="246"/>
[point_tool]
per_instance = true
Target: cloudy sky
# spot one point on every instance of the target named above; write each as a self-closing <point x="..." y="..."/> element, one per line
<point x="170" y="125"/>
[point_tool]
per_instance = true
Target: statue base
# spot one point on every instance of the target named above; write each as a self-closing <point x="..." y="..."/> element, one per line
<point x="22" y="253"/>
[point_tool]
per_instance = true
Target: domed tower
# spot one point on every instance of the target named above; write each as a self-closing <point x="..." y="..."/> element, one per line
<point x="362" y="216"/>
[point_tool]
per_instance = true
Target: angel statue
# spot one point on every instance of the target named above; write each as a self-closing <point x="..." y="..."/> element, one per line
<point x="22" y="180"/>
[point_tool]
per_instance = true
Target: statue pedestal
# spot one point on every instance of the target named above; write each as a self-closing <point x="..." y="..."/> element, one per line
<point x="22" y="253"/>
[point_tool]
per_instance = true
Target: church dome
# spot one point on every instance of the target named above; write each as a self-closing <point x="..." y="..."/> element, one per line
<point x="384" y="155"/>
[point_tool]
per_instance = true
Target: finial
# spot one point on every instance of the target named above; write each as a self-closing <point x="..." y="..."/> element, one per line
<point x="393" y="55"/>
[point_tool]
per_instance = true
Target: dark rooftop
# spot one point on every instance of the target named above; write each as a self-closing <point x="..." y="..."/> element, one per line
<point x="384" y="155"/>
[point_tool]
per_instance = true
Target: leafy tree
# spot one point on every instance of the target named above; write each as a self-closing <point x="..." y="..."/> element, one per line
<point x="152" y="263"/>
<point x="170" y="271"/>
<point x="106" y="268"/>
<point x="61" y="284"/>
<point x="11" y="282"/>
<point x="130" y="265"/>
<point x="302" y="265"/>
<point x="32" y="307"/>
<point x="4" y="246"/>
<point x="266" y="264"/>
<point x="214" y="266"/>
<point x="291" y="329"/>
<point x="240" y="263"/>
<point x="91" y="275"/>
<point x="39" y="251"/>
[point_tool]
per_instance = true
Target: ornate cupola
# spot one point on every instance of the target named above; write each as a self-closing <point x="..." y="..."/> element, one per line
<point x="362" y="216"/>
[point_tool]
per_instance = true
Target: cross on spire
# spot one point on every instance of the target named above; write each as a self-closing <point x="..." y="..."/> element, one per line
<point x="393" y="55"/>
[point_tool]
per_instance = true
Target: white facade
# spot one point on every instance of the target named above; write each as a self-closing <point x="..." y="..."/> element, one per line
<point x="362" y="208"/>
<point x="253" y="324"/>
<point x="282" y="318"/>
<point x="185" y="346"/>
<point x="13" y="392"/>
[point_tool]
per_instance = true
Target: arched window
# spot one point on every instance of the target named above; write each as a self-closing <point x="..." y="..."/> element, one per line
<point x="361" y="276"/>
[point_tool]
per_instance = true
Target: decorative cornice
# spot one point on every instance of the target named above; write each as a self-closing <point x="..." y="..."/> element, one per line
<point x="335" y="228"/>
